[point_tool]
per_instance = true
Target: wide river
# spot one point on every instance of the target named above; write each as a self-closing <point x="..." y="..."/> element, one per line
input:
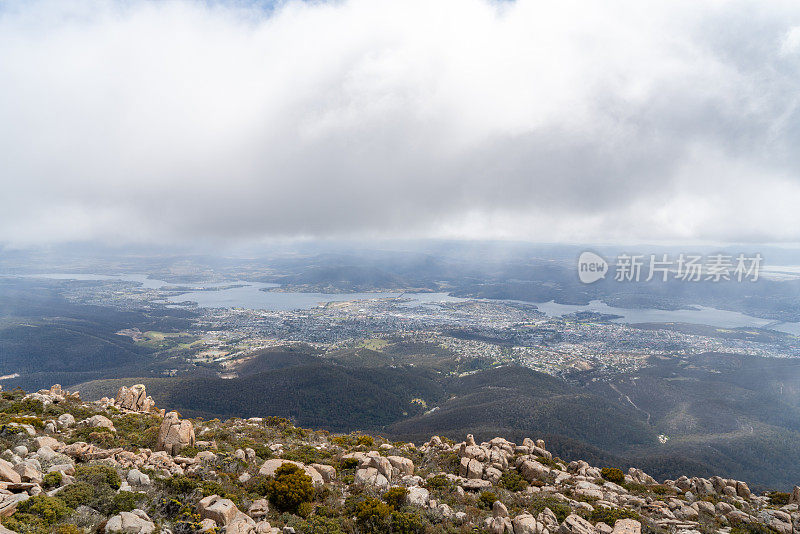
<point x="249" y="295"/>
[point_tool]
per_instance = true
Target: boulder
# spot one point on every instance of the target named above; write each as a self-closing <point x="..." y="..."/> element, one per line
<point x="403" y="465"/>
<point x="135" y="522"/>
<point x="47" y="441"/>
<point x="9" y="503"/>
<point x="742" y="490"/>
<point x="137" y="478"/>
<point x="259" y="509"/>
<point x="795" y="498"/>
<point x="7" y="473"/>
<point x="627" y="526"/>
<point x="418" y="496"/>
<point x="174" y="434"/>
<point x="471" y="468"/>
<point x="575" y="524"/>
<point x="222" y="511"/>
<point x="498" y="525"/>
<point x="29" y="471"/>
<point x="524" y="524"/>
<point x="499" y="509"/>
<point x="532" y="470"/>
<point x="370" y="476"/>
<point x="66" y="420"/>
<point x="98" y="421"/>
<point x="327" y="472"/>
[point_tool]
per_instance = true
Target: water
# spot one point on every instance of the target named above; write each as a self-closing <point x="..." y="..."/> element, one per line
<point x="249" y="295"/>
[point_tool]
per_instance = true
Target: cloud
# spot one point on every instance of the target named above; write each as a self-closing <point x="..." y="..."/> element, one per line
<point x="573" y="120"/>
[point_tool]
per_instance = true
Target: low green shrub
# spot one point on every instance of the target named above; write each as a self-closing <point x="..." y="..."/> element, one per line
<point x="98" y="474"/>
<point x="49" y="509"/>
<point x="396" y="497"/>
<point x="52" y="480"/>
<point x="609" y="516"/>
<point x="779" y="498"/>
<point x="512" y="481"/>
<point x="486" y="499"/>
<point x="612" y="474"/>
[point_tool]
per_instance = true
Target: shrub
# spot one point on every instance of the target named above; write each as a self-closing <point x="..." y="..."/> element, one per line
<point x="181" y="485"/>
<point x="610" y="516"/>
<point x="513" y="481"/>
<point x="438" y="482"/>
<point x="661" y="489"/>
<point x="366" y="440"/>
<point x="52" y="480"/>
<point x="77" y="494"/>
<point x="49" y="509"/>
<point x="486" y="499"/>
<point x="348" y="463"/>
<point x="407" y="523"/>
<point x="779" y="498"/>
<point x="396" y="497"/>
<point x="259" y="485"/>
<point x="305" y="509"/>
<point x="612" y="474"/>
<point x="547" y="461"/>
<point x="373" y="515"/>
<point x="290" y="487"/>
<point x="99" y="475"/>
<point x="125" y="501"/>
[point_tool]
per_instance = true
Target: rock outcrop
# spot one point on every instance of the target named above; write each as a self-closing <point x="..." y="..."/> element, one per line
<point x="175" y="434"/>
<point x="447" y="487"/>
<point x="134" y="399"/>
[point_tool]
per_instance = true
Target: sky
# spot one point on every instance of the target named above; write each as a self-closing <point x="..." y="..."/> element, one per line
<point x="555" y="121"/>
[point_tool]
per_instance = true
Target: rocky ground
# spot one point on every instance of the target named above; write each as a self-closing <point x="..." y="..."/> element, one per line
<point x="122" y="465"/>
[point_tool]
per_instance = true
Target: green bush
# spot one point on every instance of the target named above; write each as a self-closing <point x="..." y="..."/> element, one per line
<point x="181" y="485"/>
<point x="779" y="498"/>
<point x="348" y="463"/>
<point x="407" y="523"/>
<point x="547" y="461"/>
<point x="98" y="475"/>
<point x="610" y="516"/>
<point x="486" y="499"/>
<point x="100" y="496"/>
<point x="77" y="494"/>
<point x="661" y="489"/>
<point x="305" y="509"/>
<point x="366" y="440"/>
<point x="125" y="501"/>
<point x="52" y="480"/>
<point x="513" y="481"/>
<point x="290" y="487"/>
<point x="438" y="482"/>
<point x="373" y="515"/>
<point x="396" y="497"/>
<point x="612" y="474"/>
<point x="49" y="509"/>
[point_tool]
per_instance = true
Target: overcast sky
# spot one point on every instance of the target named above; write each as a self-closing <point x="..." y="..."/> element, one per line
<point x="570" y="120"/>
